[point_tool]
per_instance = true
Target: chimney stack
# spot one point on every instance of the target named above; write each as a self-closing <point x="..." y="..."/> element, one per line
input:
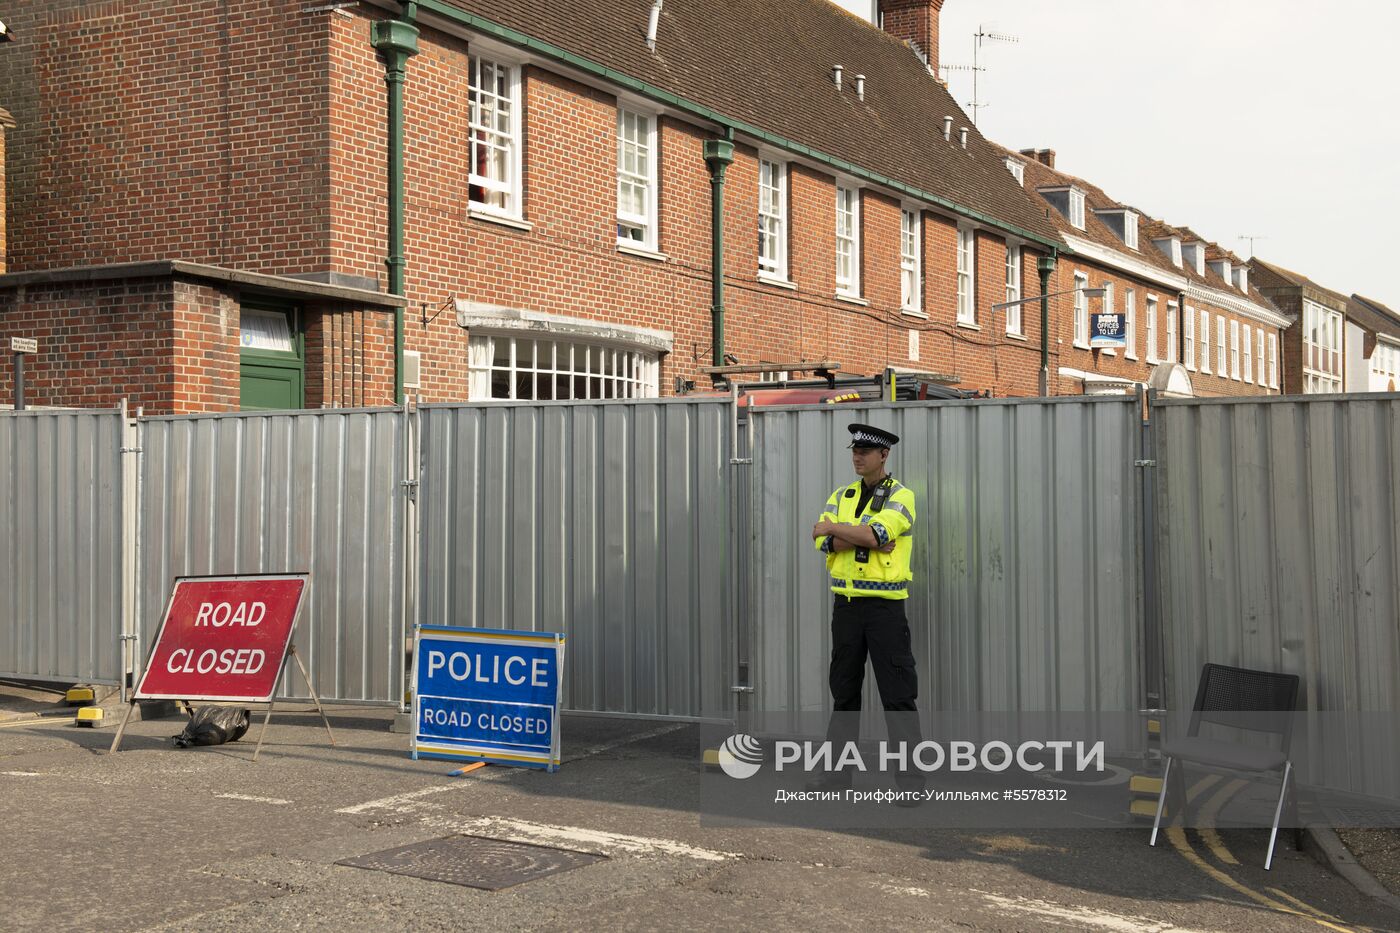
<point x="914" y="21"/>
<point x="1045" y="157"/>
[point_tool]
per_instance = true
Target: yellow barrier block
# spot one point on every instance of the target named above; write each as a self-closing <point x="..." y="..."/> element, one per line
<point x="1154" y="727"/>
<point x="712" y="758"/>
<point x="89" y="716"/>
<point x="80" y="696"/>
<point x="1142" y="784"/>
<point x="1147" y="809"/>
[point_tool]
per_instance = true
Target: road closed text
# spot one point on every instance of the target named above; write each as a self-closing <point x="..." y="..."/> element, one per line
<point x="211" y="661"/>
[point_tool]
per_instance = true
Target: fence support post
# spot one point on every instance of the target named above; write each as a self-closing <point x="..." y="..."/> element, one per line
<point x="1153" y="675"/>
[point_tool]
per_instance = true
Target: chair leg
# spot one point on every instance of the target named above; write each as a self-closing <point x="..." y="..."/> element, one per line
<point x="1278" y="811"/>
<point x="1161" y="800"/>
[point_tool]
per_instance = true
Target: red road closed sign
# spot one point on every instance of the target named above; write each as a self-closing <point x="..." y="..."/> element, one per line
<point x="223" y="638"/>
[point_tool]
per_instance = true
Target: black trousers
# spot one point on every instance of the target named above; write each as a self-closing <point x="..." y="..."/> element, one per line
<point x="868" y="626"/>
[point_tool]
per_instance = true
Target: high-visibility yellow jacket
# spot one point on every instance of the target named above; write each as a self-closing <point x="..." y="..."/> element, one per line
<point x="880" y="574"/>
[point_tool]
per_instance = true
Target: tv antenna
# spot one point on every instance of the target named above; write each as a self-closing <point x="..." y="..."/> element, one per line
<point x="979" y="38"/>
<point x="1251" y="238"/>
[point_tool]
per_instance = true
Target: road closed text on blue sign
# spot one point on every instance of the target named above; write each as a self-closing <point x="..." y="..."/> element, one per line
<point x="1107" y="332"/>
<point x="488" y="695"/>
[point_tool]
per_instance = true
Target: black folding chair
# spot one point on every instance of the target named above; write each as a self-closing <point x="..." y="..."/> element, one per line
<point x="1235" y="697"/>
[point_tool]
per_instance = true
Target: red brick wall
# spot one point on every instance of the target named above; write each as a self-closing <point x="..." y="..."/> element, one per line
<point x="97" y="342"/>
<point x="204" y="349"/>
<point x="152" y="130"/>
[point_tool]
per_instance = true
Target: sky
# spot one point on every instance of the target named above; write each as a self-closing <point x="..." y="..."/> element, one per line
<point x="1274" y="118"/>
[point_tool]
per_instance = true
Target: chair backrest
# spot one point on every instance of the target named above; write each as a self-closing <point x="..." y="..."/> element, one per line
<point x="1244" y="699"/>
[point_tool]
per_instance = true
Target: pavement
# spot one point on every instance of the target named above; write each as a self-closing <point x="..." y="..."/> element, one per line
<point x="154" y="838"/>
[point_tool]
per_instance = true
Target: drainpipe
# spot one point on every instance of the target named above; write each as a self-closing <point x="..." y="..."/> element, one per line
<point x="719" y="153"/>
<point x="397" y="41"/>
<point x="1045" y="265"/>
<point x="1181" y="329"/>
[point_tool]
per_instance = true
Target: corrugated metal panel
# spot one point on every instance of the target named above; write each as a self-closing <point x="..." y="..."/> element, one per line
<point x="60" y="545"/>
<point x="1027" y="590"/>
<point x="608" y="522"/>
<point x="272" y="493"/>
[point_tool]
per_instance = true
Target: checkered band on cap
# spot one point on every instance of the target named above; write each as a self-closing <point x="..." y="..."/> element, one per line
<point x="864" y="435"/>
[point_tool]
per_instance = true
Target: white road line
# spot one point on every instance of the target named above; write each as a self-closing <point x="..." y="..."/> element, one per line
<point x="23" y="773"/>
<point x="275" y="801"/>
<point x="577" y="836"/>
<point x="627" y="740"/>
<point x="1081" y="917"/>
<point x="396" y="802"/>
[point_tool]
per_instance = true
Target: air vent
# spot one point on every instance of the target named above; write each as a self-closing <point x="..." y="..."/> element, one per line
<point x="412" y="369"/>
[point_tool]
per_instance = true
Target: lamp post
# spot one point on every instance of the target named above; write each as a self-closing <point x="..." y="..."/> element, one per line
<point x="1045" y="265"/>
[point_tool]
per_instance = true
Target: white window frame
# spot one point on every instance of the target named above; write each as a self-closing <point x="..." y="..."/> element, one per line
<point x="1327" y="324"/>
<point x="1171" y="332"/>
<point x="1130" y="322"/>
<point x="848" y="240"/>
<point x="911" y="261"/>
<point x="643" y="147"/>
<point x="772" y="220"/>
<point x="1015" y="323"/>
<point x="1235" y="350"/>
<point x="1205" y="341"/>
<point x="1152" y="342"/>
<point x="1222" y="350"/>
<point x="1188" y="337"/>
<point x="1130" y="229"/>
<point x="1076" y="208"/>
<point x="1081" y="311"/>
<point x="1017" y="170"/>
<point x="1273" y="361"/>
<point x="1259" y="356"/>
<point x="1248" y="354"/>
<point x="502" y="197"/>
<point x="1107" y="307"/>
<point x="601" y="370"/>
<point x="967" y="276"/>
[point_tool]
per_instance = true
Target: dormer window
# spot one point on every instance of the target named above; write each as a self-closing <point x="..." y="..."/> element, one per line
<point x="1017" y="170"/>
<point x="1069" y="201"/>
<point x="1222" y="268"/>
<point x="1171" y="247"/>
<point x="1195" y="254"/>
<point x="1123" y="222"/>
<point x="1242" y="278"/>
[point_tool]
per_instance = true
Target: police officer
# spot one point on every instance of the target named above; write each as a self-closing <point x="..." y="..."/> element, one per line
<point x="865" y="532"/>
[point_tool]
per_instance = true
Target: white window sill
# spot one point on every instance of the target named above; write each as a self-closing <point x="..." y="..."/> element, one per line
<point x="910" y="312"/>
<point x="968" y="325"/>
<point x="633" y="250"/>
<point x="1130" y="356"/>
<point x="767" y="279"/>
<point x="852" y="299"/>
<point x="516" y="223"/>
<point x="1109" y="351"/>
<point x="1081" y="346"/>
<point x="1021" y="337"/>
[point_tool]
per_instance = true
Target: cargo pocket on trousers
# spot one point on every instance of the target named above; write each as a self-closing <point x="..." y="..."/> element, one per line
<point x="905" y="675"/>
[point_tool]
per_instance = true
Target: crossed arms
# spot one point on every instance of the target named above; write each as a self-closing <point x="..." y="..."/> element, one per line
<point x="846" y="537"/>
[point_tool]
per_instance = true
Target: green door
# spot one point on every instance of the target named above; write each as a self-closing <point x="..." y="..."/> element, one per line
<point x="271" y="358"/>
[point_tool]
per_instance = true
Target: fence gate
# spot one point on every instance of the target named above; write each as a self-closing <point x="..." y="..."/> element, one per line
<point x="61" y="545"/>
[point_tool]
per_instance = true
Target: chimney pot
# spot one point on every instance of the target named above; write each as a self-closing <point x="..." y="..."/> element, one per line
<point x="948" y="128"/>
<point x="836" y="71"/>
<point x="860" y="87"/>
<point x="962" y="136"/>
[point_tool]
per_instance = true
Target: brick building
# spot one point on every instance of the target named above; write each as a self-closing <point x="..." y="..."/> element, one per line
<point x="1379" y="346"/>
<point x="1195" y="320"/>
<point x="1324" y="353"/>
<point x="200" y="211"/>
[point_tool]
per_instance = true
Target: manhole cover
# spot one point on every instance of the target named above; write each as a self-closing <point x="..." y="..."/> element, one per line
<point x="1363" y="817"/>
<point x="474" y="861"/>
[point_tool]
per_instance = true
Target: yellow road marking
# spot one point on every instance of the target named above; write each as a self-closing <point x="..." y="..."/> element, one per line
<point x="1308" y="907"/>
<point x="1178" y="840"/>
<point x="1207" y="821"/>
<point x="36" y="722"/>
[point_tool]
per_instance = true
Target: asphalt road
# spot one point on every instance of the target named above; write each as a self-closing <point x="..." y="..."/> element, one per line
<point x="204" y="839"/>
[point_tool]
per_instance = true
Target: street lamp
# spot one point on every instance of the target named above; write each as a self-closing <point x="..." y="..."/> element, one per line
<point x="1045" y="265"/>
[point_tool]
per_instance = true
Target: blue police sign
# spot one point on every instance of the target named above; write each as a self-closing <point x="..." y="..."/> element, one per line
<point x="488" y="695"/>
<point x="1106" y="332"/>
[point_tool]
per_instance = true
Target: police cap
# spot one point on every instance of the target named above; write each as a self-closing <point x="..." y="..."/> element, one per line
<point x="864" y="435"/>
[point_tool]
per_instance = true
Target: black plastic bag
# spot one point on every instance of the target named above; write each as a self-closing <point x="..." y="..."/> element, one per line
<point x="213" y="725"/>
